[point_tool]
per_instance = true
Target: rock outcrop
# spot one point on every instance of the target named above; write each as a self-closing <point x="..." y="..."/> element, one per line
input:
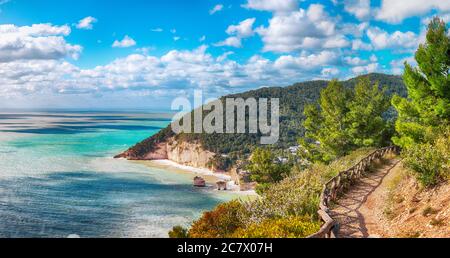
<point x="183" y="153"/>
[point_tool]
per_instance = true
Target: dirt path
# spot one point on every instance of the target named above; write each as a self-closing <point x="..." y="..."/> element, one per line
<point x="354" y="210"/>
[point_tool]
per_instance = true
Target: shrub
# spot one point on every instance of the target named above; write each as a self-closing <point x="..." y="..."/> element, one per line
<point x="221" y="222"/>
<point x="264" y="168"/>
<point x="288" y="227"/>
<point x="262" y="187"/>
<point x="178" y="232"/>
<point x="431" y="160"/>
<point x="426" y="161"/>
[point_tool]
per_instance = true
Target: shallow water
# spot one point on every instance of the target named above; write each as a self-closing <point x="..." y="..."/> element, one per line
<point x="57" y="178"/>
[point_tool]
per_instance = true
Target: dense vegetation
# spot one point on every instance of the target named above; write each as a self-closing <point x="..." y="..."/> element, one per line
<point x="345" y="120"/>
<point x="423" y="124"/>
<point x="265" y="170"/>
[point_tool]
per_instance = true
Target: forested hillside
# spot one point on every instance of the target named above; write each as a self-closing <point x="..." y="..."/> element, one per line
<point x="292" y="102"/>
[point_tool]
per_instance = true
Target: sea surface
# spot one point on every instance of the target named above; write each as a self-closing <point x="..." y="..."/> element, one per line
<point x="58" y="178"/>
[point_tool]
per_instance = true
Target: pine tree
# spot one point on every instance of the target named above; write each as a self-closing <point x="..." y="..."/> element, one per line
<point x="428" y="104"/>
<point x="344" y="120"/>
<point x="265" y="170"/>
<point x="366" y="124"/>
<point x="326" y="128"/>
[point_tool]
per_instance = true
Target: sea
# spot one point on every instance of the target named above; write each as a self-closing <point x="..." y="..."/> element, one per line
<point x="58" y="178"/>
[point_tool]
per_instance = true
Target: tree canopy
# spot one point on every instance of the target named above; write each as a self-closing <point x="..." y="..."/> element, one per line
<point x="427" y="106"/>
<point x="344" y="120"/>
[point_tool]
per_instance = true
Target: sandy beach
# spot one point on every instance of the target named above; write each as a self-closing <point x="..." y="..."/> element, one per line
<point x="198" y="171"/>
<point x="210" y="177"/>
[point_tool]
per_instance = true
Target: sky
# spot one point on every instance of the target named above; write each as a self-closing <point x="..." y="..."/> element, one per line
<point x="135" y="54"/>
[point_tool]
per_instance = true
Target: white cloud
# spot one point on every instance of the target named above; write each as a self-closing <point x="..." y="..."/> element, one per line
<point x="398" y="66"/>
<point x="176" y="38"/>
<point x="311" y="28"/>
<point x="175" y="71"/>
<point x="145" y="50"/>
<point x="157" y="30"/>
<point x="395" y="11"/>
<point x="28" y="76"/>
<point x="35" y="30"/>
<point x="36" y="42"/>
<point x="216" y="9"/>
<point x="86" y="23"/>
<point x="230" y="42"/>
<point x="125" y="42"/>
<point x="358" y="44"/>
<point x="354" y="29"/>
<point x="306" y="61"/>
<point x="370" y="68"/>
<point x="329" y="72"/>
<point x="224" y="56"/>
<point x="202" y="38"/>
<point x="359" y="8"/>
<point x="278" y="6"/>
<point x="243" y="30"/>
<point x="354" y="61"/>
<point x="336" y="42"/>
<point x="381" y="39"/>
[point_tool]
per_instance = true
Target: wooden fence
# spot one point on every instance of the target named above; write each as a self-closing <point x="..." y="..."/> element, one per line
<point x="340" y="184"/>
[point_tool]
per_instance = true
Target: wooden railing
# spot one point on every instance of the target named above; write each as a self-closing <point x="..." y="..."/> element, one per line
<point x="338" y="185"/>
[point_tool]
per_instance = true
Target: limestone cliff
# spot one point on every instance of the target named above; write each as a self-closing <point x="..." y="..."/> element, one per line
<point x="189" y="154"/>
<point x="181" y="152"/>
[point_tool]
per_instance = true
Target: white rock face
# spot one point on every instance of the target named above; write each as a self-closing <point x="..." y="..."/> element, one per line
<point x="183" y="153"/>
<point x="189" y="154"/>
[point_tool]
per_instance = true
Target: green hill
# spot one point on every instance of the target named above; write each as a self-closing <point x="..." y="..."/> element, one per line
<point x="292" y="101"/>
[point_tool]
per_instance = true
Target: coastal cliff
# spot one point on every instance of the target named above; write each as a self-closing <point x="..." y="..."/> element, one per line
<point x="182" y="152"/>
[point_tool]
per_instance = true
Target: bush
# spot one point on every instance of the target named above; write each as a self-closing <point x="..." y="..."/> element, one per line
<point x="221" y="222"/>
<point x="430" y="161"/>
<point x="262" y="187"/>
<point x="178" y="232"/>
<point x="265" y="169"/>
<point x="298" y="194"/>
<point x="289" y="227"/>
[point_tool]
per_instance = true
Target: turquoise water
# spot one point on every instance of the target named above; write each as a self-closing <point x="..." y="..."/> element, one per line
<point x="57" y="178"/>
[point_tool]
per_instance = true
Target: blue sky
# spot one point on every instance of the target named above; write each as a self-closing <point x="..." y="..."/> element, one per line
<point x="142" y="54"/>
